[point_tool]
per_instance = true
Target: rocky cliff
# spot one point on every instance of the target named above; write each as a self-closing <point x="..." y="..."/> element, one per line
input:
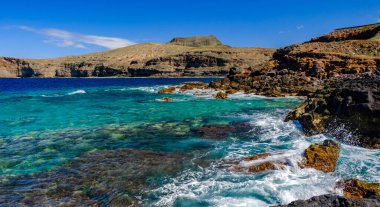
<point x="338" y="72"/>
<point x="193" y="56"/>
<point x="197" y="41"/>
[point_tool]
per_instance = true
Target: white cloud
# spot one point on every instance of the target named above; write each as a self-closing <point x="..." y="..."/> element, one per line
<point x="299" y="27"/>
<point x="62" y="38"/>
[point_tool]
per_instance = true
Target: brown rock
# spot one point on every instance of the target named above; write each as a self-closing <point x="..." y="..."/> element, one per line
<point x="167" y="99"/>
<point x="260" y="166"/>
<point x="193" y="85"/>
<point x="231" y="91"/>
<point x="221" y="95"/>
<point x="167" y="90"/>
<point x="322" y="157"/>
<point x="355" y="188"/>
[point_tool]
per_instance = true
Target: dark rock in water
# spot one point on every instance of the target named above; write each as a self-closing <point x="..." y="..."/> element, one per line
<point x="218" y="132"/>
<point x="115" y="178"/>
<point x="331" y="200"/>
<point x="354" y="104"/>
<point x="322" y="156"/>
<point x="325" y="70"/>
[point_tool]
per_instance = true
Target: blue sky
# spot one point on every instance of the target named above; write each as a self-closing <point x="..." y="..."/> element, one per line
<point x="41" y="28"/>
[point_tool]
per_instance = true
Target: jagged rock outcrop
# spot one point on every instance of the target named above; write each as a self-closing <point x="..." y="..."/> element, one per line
<point x="331" y="200"/>
<point x="198" y="56"/>
<point x="351" y="33"/>
<point x="318" y="69"/>
<point x="355" y="188"/>
<point x="303" y="69"/>
<point x="354" y="106"/>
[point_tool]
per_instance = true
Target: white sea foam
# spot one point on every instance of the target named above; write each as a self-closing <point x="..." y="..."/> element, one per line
<point x="222" y="187"/>
<point x="148" y="89"/>
<point x="77" y="92"/>
<point x="51" y="95"/>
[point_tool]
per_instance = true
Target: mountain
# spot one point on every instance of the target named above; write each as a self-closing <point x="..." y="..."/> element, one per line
<point x="182" y="56"/>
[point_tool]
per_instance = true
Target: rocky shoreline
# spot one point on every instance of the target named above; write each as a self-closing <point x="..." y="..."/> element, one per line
<point x="339" y="74"/>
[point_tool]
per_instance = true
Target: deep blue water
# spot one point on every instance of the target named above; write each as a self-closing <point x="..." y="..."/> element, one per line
<point x="113" y="141"/>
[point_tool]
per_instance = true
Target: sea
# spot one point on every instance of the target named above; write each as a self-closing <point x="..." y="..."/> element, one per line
<point x="115" y="142"/>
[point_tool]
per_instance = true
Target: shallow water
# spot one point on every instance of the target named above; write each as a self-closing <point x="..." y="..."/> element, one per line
<point x="113" y="141"/>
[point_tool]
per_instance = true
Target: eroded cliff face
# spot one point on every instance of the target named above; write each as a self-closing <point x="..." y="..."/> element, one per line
<point x="193" y="56"/>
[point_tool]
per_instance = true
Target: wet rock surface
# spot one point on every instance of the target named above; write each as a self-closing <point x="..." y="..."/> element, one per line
<point x="322" y="157"/>
<point x="355" y="188"/>
<point x="332" y="200"/>
<point x="258" y="163"/>
<point x="167" y="90"/>
<point x="221" y="95"/>
<point x="353" y="105"/>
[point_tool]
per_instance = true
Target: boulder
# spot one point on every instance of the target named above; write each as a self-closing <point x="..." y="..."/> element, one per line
<point x="355" y="188"/>
<point x="331" y="200"/>
<point x="322" y="157"/>
<point x="221" y="95"/>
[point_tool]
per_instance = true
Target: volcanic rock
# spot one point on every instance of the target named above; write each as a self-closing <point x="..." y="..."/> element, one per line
<point x="331" y="200"/>
<point x="355" y="188"/>
<point x="322" y="157"/>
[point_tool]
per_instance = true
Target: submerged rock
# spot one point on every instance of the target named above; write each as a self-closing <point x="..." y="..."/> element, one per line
<point x="331" y="200"/>
<point x="218" y="132"/>
<point x="322" y="157"/>
<point x="114" y="178"/>
<point x="355" y="188"/>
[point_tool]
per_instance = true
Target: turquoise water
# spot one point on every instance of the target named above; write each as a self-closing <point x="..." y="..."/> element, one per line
<point x="114" y="142"/>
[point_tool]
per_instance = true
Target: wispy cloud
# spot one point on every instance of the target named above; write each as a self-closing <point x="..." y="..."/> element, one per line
<point x="62" y="38"/>
<point x="299" y="27"/>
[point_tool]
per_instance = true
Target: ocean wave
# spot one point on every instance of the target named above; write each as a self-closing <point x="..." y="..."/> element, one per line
<point x="77" y="92"/>
<point x="148" y="89"/>
<point x="218" y="186"/>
